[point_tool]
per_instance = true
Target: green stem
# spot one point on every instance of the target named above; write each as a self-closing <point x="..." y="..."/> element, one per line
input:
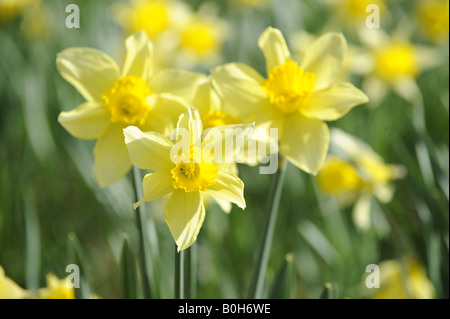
<point x="179" y="274"/>
<point x="140" y="218"/>
<point x="257" y="283"/>
<point x="191" y="271"/>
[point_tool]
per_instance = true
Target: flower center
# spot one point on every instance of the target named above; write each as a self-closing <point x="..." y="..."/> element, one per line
<point x="396" y="61"/>
<point x="192" y="176"/>
<point x="339" y="176"/>
<point x="288" y="85"/>
<point x="125" y="102"/>
<point x="200" y="37"/>
<point x="218" y="118"/>
<point x="151" y="16"/>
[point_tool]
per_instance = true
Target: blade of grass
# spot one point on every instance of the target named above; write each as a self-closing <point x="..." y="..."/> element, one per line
<point x="257" y="283"/>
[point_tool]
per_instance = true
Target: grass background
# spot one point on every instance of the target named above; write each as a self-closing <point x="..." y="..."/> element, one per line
<point x="47" y="191"/>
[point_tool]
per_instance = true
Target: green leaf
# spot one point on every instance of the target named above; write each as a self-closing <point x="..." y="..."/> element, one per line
<point x="283" y="288"/>
<point x="330" y="291"/>
<point x="128" y="271"/>
<point x="77" y="256"/>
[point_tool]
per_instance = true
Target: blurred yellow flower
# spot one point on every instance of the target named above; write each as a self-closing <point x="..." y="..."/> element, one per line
<point x="404" y="279"/>
<point x="56" y="289"/>
<point x="354" y="173"/>
<point x="294" y="98"/>
<point x="187" y="178"/>
<point x="10" y="9"/>
<point x="9" y="289"/>
<point x="36" y="22"/>
<point x="433" y="16"/>
<point x="352" y="14"/>
<point x="182" y="37"/>
<point x="152" y="16"/>
<point x="392" y="62"/>
<point x="136" y="96"/>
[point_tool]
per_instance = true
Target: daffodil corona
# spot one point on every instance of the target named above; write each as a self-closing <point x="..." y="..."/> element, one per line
<point x="294" y="98"/>
<point x="187" y="176"/>
<point x="136" y="96"/>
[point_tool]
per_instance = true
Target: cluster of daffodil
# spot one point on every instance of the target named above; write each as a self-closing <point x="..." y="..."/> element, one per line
<point x="390" y="61"/>
<point x="56" y="289"/>
<point x="146" y="105"/>
<point x="354" y="173"/>
<point x="181" y="37"/>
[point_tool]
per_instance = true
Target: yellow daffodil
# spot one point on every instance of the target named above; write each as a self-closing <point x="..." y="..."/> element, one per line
<point x="353" y="14"/>
<point x="406" y="279"/>
<point x="182" y="37"/>
<point x="433" y="16"/>
<point x="56" y="289"/>
<point x="10" y="9"/>
<point x="354" y="173"/>
<point x="213" y="113"/>
<point x="201" y="35"/>
<point x="186" y="175"/>
<point x="9" y="289"/>
<point x="136" y="96"/>
<point x="294" y="98"/>
<point x="152" y="16"/>
<point x="392" y="62"/>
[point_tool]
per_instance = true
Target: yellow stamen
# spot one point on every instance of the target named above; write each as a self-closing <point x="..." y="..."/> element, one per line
<point x="288" y="85"/>
<point x="192" y="176"/>
<point x="218" y="118"/>
<point x="126" y="103"/>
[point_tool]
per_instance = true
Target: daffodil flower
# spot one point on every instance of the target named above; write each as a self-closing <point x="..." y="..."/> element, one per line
<point x="354" y="173"/>
<point x="403" y="279"/>
<point x="56" y="289"/>
<point x="353" y="14"/>
<point x="9" y="289"/>
<point x="433" y="17"/>
<point x="186" y="176"/>
<point x="295" y="98"/>
<point x="392" y="62"/>
<point x="136" y="96"/>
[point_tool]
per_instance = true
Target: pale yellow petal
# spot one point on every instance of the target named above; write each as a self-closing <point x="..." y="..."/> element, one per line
<point x="90" y="71"/>
<point x="305" y="142"/>
<point x="149" y="150"/>
<point x="139" y="59"/>
<point x="87" y="121"/>
<point x="190" y="122"/>
<point x="268" y="117"/>
<point x="155" y="185"/>
<point x="111" y="157"/>
<point x="239" y="87"/>
<point x="325" y="58"/>
<point x="206" y="99"/>
<point x="274" y="47"/>
<point x="333" y="102"/>
<point x="229" y="188"/>
<point x="181" y="83"/>
<point x="227" y="141"/>
<point x="185" y="213"/>
<point x="165" y="110"/>
<point x="9" y="289"/>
